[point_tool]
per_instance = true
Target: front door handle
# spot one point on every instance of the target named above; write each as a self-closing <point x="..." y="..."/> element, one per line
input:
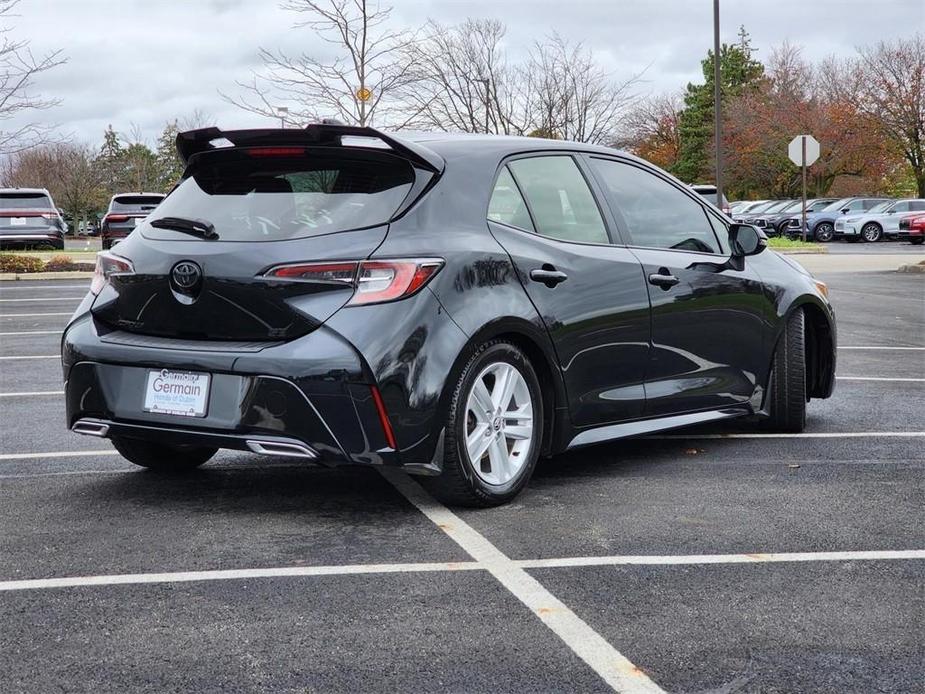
<point x="663" y="278"/>
<point x="548" y="275"/>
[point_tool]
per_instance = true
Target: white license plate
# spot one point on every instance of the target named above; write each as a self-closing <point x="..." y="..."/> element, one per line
<point x="17" y="221"/>
<point x="182" y="393"/>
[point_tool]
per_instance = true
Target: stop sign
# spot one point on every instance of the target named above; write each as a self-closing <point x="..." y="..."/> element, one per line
<point x="795" y="150"/>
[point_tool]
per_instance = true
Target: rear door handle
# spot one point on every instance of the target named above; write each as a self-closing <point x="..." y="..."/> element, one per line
<point x="548" y="275"/>
<point x="663" y="278"/>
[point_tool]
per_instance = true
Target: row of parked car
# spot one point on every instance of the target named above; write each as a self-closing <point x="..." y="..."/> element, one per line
<point x="862" y="218"/>
<point x="29" y="218"/>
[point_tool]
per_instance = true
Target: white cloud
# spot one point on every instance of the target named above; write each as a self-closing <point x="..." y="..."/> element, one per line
<point x="146" y="61"/>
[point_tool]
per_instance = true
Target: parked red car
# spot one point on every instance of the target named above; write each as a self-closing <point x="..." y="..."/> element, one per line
<point x="913" y="228"/>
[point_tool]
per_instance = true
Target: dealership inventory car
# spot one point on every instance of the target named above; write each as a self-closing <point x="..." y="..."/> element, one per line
<point x="878" y="222"/>
<point x="453" y="305"/>
<point x="820" y="226"/>
<point x="760" y="218"/>
<point x="125" y="211"/>
<point x="29" y="219"/>
<point x="912" y="228"/>
<point x="783" y="219"/>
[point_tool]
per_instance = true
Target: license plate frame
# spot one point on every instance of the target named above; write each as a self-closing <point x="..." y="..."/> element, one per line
<point x="177" y="393"/>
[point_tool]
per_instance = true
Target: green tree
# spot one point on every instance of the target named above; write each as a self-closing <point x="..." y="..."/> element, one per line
<point x="110" y="161"/>
<point x="168" y="167"/>
<point x="739" y="73"/>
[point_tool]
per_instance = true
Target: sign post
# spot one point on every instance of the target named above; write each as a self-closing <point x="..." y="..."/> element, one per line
<point x="803" y="150"/>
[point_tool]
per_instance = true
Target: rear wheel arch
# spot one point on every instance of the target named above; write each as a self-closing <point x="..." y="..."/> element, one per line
<point x="526" y="337"/>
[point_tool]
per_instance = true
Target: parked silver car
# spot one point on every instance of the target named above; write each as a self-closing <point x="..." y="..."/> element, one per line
<point x="877" y="222"/>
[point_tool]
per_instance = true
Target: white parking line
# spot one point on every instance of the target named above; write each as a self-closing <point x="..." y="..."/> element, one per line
<point x="587" y="644"/>
<point x="231" y="574"/>
<point x="34" y="287"/>
<point x="41" y="356"/>
<point x="33" y="332"/>
<point x="756" y="558"/>
<point x="32" y="393"/>
<point x="885" y="347"/>
<point x="34" y="315"/>
<point x="878" y="378"/>
<point x="804" y="435"/>
<point x="57" y="454"/>
<point x="43" y="298"/>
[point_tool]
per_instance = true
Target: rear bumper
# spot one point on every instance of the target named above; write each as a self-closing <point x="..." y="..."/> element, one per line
<point x="311" y="398"/>
<point x="31" y="238"/>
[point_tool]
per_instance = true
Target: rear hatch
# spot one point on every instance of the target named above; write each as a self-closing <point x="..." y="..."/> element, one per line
<point x="125" y="211"/>
<point x="267" y="206"/>
<point x="27" y="213"/>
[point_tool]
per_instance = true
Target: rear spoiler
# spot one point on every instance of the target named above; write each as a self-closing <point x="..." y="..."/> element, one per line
<point x="192" y="142"/>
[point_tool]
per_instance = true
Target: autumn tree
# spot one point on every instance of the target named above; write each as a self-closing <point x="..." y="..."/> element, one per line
<point x="740" y="73"/>
<point x="369" y="66"/>
<point x="652" y="130"/>
<point x="19" y="68"/>
<point x="891" y="89"/>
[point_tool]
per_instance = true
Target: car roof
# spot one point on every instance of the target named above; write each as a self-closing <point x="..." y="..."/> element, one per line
<point x="25" y="190"/>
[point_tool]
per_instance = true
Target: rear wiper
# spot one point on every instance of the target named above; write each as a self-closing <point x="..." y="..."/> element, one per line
<point x="195" y="227"/>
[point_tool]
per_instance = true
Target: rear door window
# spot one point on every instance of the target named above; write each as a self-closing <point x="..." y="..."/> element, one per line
<point x="656" y="213"/>
<point x="560" y="200"/>
<point x="266" y="197"/>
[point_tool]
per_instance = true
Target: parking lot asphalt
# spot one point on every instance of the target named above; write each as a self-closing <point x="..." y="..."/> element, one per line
<point x="707" y="560"/>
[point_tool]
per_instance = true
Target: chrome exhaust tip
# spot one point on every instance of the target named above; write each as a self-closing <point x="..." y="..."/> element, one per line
<point x="90" y="428"/>
<point x="292" y="450"/>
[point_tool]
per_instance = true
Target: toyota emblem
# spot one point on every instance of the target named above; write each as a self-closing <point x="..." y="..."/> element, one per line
<point x="186" y="275"/>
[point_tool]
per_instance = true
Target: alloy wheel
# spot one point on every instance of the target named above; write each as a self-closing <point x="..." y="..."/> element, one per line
<point x="499" y="423"/>
<point x="824" y="232"/>
<point x="871" y="232"/>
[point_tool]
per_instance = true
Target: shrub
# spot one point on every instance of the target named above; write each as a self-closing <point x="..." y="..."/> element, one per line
<point x="13" y="262"/>
<point x="58" y="263"/>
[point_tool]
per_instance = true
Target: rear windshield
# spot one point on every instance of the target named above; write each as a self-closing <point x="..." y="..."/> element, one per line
<point x="135" y="203"/>
<point x="710" y="195"/>
<point x="272" y="198"/>
<point x="25" y="201"/>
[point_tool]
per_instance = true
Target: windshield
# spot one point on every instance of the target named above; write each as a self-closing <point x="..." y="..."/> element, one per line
<point x="881" y="207"/>
<point x="837" y="205"/>
<point x="795" y="206"/>
<point x="264" y="197"/>
<point x="757" y="206"/>
<point x="25" y="201"/>
<point x="777" y="206"/>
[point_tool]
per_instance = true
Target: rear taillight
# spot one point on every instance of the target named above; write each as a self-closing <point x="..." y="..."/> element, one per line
<point x="373" y="281"/>
<point x="115" y="218"/>
<point x="107" y="265"/>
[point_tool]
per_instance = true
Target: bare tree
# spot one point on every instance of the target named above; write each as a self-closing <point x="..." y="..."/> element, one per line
<point x="355" y="86"/>
<point x="572" y="96"/>
<point x="19" y="67"/>
<point x="892" y="89"/>
<point x="460" y="80"/>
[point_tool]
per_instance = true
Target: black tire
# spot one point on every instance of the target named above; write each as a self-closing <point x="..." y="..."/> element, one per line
<point x="917" y="241"/>
<point x="161" y="457"/>
<point x="106" y="244"/>
<point x="459" y="484"/>
<point x="824" y="232"/>
<point x="871" y="232"/>
<point x="787" y="397"/>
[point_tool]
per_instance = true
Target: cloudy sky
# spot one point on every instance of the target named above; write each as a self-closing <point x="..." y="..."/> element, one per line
<point x="142" y="62"/>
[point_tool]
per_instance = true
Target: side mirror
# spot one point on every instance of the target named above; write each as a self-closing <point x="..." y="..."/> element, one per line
<point x="844" y="210"/>
<point x="746" y="239"/>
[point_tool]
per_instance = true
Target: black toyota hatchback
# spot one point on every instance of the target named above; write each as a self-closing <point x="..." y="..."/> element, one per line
<point x="453" y="305"/>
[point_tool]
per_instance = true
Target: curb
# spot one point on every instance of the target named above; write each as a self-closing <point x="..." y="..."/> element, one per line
<point x="63" y="275"/>
<point x="800" y="251"/>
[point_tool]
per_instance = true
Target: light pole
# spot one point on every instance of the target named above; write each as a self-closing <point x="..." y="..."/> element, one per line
<point x="717" y="107"/>
<point x="487" y="82"/>
<point x="283" y="112"/>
